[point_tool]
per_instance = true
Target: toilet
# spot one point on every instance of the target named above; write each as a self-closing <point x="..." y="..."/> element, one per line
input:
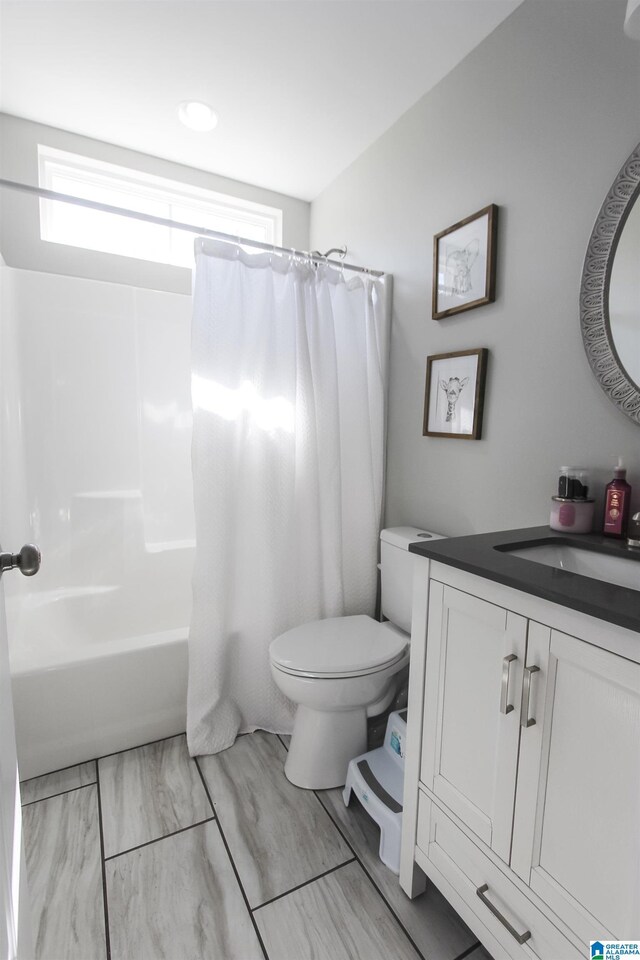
<point x="341" y="671"/>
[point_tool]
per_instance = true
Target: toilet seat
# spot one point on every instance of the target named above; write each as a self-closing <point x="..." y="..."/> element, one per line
<point x="339" y="647"/>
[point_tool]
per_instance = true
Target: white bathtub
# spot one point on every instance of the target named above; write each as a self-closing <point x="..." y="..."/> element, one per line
<point x="85" y="683"/>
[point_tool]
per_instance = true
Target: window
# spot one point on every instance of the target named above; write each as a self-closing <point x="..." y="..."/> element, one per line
<point x="120" y="187"/>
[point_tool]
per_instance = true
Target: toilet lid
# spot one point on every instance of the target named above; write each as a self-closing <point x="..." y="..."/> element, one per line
<point x="341" y="645"/>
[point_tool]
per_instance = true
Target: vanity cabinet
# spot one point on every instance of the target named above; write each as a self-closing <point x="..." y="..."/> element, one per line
<point x="522" y="789"/>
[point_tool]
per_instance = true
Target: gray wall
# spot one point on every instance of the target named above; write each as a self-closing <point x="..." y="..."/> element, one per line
<point x="538" y="119"/>
<point x="20" y="241"/>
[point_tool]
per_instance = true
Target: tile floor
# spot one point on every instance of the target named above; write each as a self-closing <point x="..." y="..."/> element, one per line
<point x="148" y="854"/>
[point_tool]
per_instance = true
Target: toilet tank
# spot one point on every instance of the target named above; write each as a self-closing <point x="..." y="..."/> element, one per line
<point x="396" y="572"/>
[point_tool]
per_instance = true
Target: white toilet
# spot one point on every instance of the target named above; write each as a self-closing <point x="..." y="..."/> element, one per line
<point x="343" y="670"/>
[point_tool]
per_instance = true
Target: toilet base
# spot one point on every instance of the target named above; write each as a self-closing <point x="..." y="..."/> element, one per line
<point x="322" y="744"/>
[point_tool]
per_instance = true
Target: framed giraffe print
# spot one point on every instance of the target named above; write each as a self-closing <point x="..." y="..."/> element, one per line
<point x="464" y="264"/>
<point x="454" y="394"/>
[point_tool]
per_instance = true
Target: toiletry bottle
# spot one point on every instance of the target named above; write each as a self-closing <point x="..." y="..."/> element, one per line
<point x="617" y="501"/>
<point x="563" y="483"/>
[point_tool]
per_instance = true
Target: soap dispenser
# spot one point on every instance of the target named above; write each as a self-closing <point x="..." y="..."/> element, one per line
<point x="617" y="501"/>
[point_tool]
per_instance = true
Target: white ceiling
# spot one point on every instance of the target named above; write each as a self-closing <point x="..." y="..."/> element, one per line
<point x="302" y="87"/>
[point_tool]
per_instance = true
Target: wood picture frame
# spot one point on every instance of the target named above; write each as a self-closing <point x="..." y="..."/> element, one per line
<point x="454" y="394"/>
<point x="464" y="264"/>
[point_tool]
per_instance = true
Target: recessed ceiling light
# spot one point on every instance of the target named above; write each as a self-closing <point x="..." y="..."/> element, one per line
<point x="197" y="116"/>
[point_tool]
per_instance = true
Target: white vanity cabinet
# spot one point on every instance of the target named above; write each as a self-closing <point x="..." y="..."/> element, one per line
<point x="522" y="788"/>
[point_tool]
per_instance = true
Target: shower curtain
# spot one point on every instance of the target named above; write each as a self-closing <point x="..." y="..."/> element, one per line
<point x="288" y="386"/>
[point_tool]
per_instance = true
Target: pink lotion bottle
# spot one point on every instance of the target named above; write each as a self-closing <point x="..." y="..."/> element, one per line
<point x="617" y="500"/>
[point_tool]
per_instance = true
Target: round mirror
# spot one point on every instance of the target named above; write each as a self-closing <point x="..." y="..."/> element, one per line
<point x="624" y="296"/>
<point x="610" y="292"/>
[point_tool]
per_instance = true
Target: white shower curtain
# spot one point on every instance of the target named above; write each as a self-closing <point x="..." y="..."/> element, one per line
<point x="288" y="382"/>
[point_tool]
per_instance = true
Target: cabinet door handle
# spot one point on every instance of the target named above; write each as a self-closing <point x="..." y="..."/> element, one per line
<point x="520" y="937"/>
<point x="525" y="719"/>
<point x="504" y="686"/>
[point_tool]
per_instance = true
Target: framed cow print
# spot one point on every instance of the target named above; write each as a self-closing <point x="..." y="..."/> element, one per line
<point x="464" y="264"/>
<point x="454" y="394"/>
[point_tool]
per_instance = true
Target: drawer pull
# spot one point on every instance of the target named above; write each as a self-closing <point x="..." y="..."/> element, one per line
<point x="525" y="719"/>
<point x="504" y="686"/>
<point x="520" y="937"/>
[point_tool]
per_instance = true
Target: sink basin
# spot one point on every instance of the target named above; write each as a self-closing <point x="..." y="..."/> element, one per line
<point x="623" y="571"/>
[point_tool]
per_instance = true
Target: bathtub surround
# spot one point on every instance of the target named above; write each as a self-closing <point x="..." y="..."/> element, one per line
<point x="288" y="386"/>
<point x="539" y="119"/>
<point x="193" y="893"/>
<point x="97" y="419"/>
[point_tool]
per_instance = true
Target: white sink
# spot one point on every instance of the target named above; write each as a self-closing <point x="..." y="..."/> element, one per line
<point x="625" y="572"/>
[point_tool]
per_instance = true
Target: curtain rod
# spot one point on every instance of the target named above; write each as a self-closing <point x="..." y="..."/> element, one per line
<point x="176" y="225"/>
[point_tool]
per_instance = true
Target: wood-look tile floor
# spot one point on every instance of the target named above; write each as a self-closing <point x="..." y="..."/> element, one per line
<point x="150" y="855"/>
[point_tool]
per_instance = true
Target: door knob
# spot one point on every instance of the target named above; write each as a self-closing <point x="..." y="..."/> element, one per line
<point x="27" y="561"/>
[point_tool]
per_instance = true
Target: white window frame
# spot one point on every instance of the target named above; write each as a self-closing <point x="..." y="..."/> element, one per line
<point x="78" y="174"/>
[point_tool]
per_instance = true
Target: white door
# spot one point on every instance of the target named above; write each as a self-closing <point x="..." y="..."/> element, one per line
<point x="15" y="933"/>
<point x="475" y="659"/>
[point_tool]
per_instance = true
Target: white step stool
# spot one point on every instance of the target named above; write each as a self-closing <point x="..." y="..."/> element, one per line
<point x="377" y="778"/>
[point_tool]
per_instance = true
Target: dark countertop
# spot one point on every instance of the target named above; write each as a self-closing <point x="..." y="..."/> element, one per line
<point x="484" y="554"/>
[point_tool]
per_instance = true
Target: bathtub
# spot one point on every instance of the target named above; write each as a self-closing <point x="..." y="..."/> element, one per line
<point x="93" y="672"/>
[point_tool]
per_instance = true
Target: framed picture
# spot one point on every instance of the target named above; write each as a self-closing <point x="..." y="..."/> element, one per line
<point x="454" y="394"/>
<point x="464" y="264"/>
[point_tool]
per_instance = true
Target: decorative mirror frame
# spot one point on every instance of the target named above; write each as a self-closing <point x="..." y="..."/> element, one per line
<point x="594" y="290"/>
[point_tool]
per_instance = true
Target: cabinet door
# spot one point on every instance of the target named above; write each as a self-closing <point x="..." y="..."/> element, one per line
<point x="475" y="654"/>
<point x="581" y="854"/>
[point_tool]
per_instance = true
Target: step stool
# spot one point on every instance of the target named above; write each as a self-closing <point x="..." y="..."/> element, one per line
<point x="377" y="778"/>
